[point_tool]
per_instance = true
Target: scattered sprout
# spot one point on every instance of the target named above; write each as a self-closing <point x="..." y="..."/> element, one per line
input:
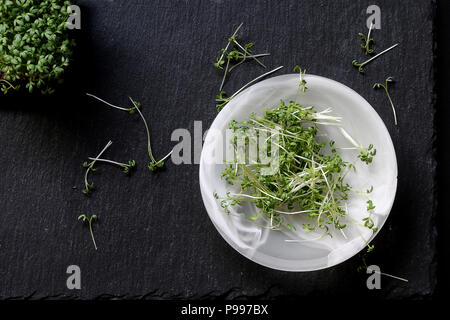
<point x="126" y="167"/>
<point x="88" y="187"/>
<point x="361" y="65"/>
<point x="385" y="87"/>
<point x="367" y="41"/>
<point x="302" y="83"/>
<point x="222" y="99"/>
<point x="154" y="164"/>
<point x="84" y="219"/>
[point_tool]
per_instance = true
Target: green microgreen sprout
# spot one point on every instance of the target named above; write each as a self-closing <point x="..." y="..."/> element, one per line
<point x="154" y="164"/>
<point x="83" y="218"/>
<point x="223" y="100"/>
<point x="385" y="87"/>
<point x="361" y="65"/>
<point x="244" y="58"/>
<point x="129" y="110"/>
<point x="88" y="187"/>
<point x="126" y="167"/>
<point x="368" y="222"/>
<point x="365" y="154"/>
<point x="364" y="267"/>
<point x="386" y="274"/>
<point x="236" y="55"/>
<point x="302" y="83"/>
<point x="367" y="41"/>
<point x="6" y="86"/>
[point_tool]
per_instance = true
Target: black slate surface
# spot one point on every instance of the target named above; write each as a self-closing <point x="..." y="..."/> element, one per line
<point x="154" y="237"/>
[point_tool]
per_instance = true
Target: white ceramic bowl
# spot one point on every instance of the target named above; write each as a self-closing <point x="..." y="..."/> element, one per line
<point x="360" y="120"/>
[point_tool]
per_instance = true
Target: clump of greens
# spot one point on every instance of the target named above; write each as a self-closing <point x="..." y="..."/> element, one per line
<point x="34" y="46"/>
<point x="310" y="177"/>
<point x="83" y="218"/>
<point x="385" y="87"/>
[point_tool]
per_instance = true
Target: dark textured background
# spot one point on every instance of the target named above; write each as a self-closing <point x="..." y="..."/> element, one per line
<point x="154" y="237"/>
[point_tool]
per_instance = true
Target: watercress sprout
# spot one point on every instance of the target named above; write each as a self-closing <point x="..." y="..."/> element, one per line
<point x="385" y="87"/>
<point x="302" y="83"/>
<point x="365" y="154"/>
<point x="239" y="52"/>
<point x="84" y="219"/>
<point x="154" y="164"/>
<point x="361" y="65"/>
<point x="223" y="100"/>
<point x="126" y="167"/>
<point x="129" y="110"/>
<point x="6" y="86"/>
<point x="88" y="187"/>
<point x="367" y="41"/>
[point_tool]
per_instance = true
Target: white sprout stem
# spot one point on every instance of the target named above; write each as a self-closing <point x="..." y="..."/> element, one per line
<point x="387" y="275"/>
<point x="248" y="57"/>
<point x="370" y="30"/>
<point x="268" y="194"/>
<point x="248" y="53"/>
<point x="392" y="104"/>
<point x="7" y="82"/>
<point x="109" y="104"/>
<point x="228" y="44"/>
<point x="254" y="80"/>
<point x="224" y="75"/>
<point x="328" y="123"/>
<point x="350" y="139"/>
<point x="273" y="132"/>
<point x="109" y="161"/>
<point x="247" y="196"/>
<point x="166" y="156"/>
<point x="322" y="116"/>
<point x="149" y="147"/>
<point x="92" y="233"/>
<point x="295" y="212"/>
<point x="93" y="162"/>
<point x="379" y="54"/>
